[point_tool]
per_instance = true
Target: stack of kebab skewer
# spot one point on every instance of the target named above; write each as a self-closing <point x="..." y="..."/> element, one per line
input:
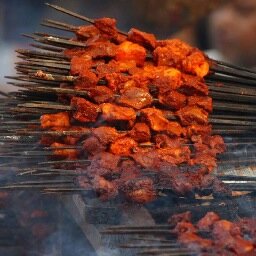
<point x="132" y="112"/>
<point x="188" y="234"/>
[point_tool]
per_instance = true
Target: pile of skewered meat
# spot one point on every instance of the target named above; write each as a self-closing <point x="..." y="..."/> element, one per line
<point x="143" y="118"/>
<point x="212" y="235"/>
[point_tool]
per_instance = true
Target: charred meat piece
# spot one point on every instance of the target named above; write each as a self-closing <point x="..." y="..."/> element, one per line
<point x="129" y="171"/>
<point x="55" y="120"/>
<point x="180" y="217"/>
<point x="192" y="115"/>
<point x="134" y="97"/>
<point x="220" y="189"/>
<point x="224" y="238"/>
<point x="105" y="189"/>
<point x="93" y="146"/>
<point x="174" y="156"/>
<point x="208" y="221"/>
<point x="127" y="51"/>
<point x="148" y="159"/>
<point x="84" y="110"/>
<point x="112" y="112"/>
<point x="105" y="160"/>
<point x="248" y="226"/>
<point x="140" y="132"/>
<point x="139" y="190"/>
<point x="142" y="38"/>
<point x="104" y="164"/>
<point x="176" y="180"/>
<point x="83" y="182"/>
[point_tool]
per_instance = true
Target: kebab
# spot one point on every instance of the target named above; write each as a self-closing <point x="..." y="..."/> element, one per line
<point x="117" y="77"/>
<point x="210" y="235"/>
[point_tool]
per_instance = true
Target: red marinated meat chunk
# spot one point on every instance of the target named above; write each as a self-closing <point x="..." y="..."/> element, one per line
<point x="193" y="85"/>
<point x="135" y="97"/>
<point x="101" y="49"/>
<point x="224" y="238"/>
<point x="86" y="79"/>
<point x="80" y="63"/>
<point x="171" y="53"/>
<point x="86" y="32"/>
<point x="192" y="115"/>
<point x="217" y="144"/>
<point x="100" y="94"/>
<point x="106" y="134"/>
<point x="163" y="141"/>
<point x="185" y="227"/>
<point x="84" y="110"/>
<point x="116" y="81"/>
<point x="196" y="64"/>
<point x="140" y="132"/>
<point x="127" y="51"/>
<point x="201" y="101"/>
<point x="111" y="112"/>
<point x="196" y="129"/>
<point x="55" y="120"/>
<point x="107" y="26"/>
<point x="172" y="99"/>
<point x="174" y="156"/>
<point x="165" y="79"/>
<point x="142" y="38"/>
<point x="123" y="146"/>
<point x="157" y="122"/>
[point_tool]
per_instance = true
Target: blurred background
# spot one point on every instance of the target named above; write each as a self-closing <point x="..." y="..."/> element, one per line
<point x="224" y="29"/>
